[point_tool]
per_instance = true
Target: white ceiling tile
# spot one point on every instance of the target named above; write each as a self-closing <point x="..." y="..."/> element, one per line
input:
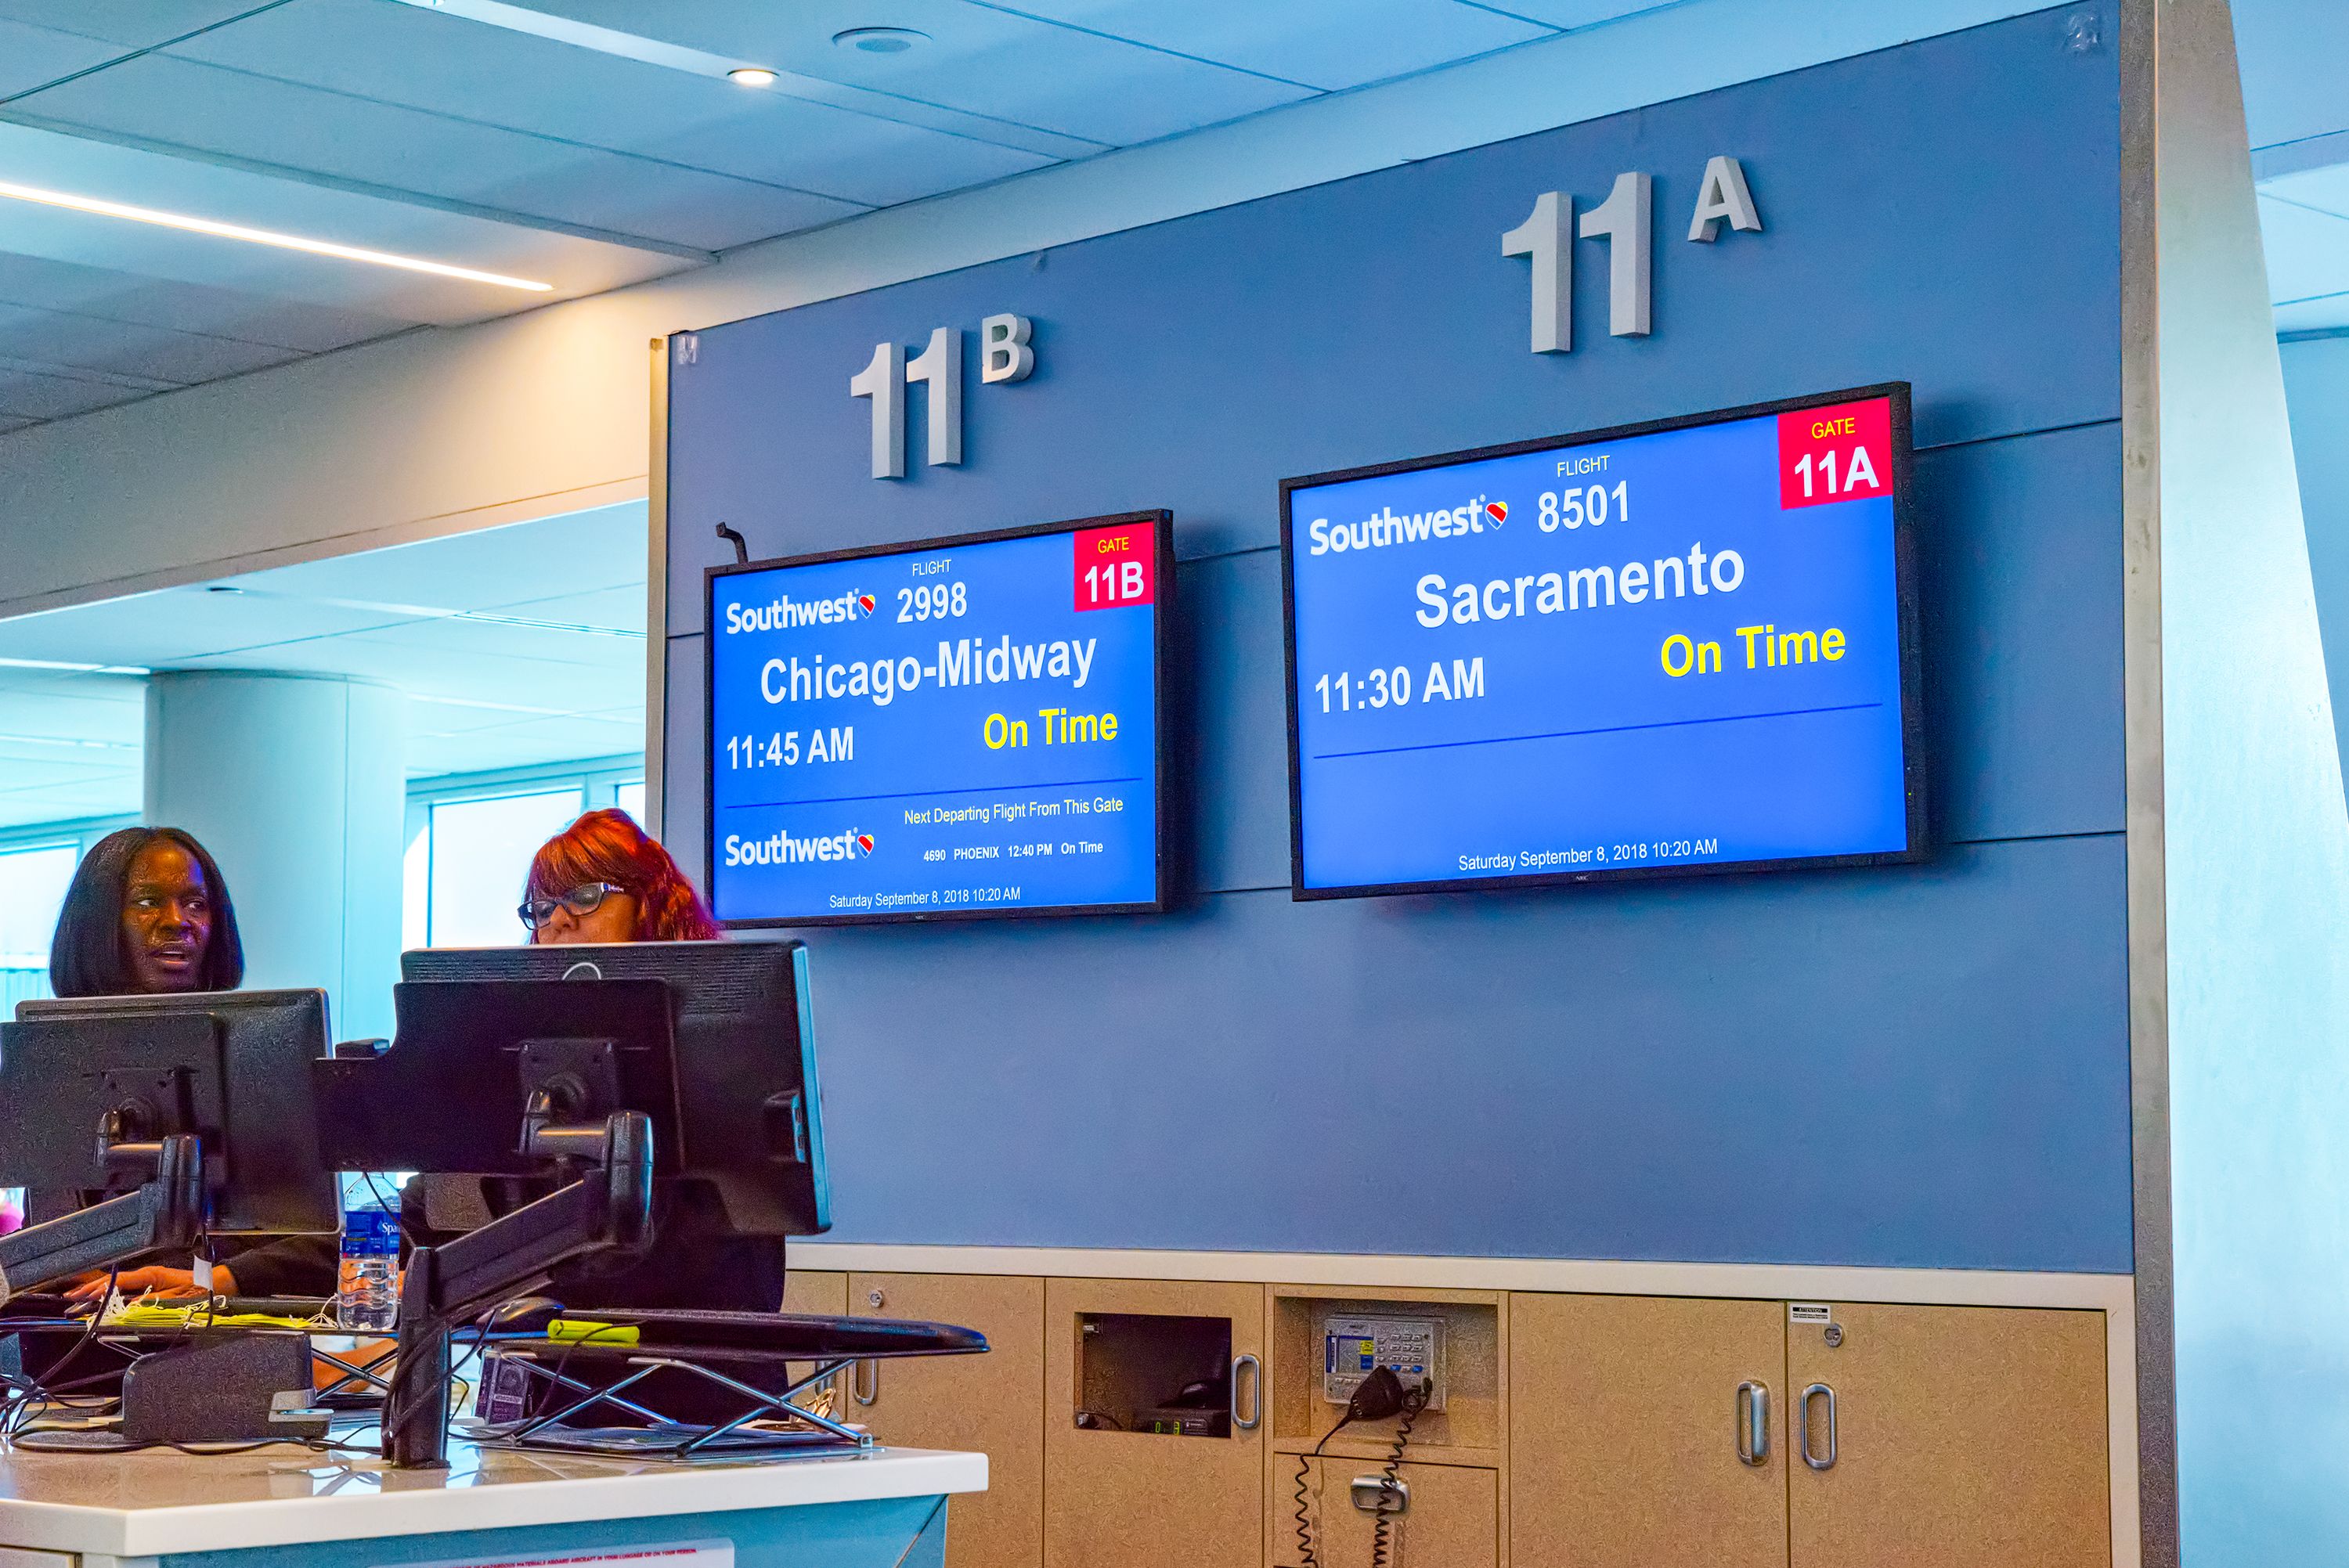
<point x="521" y="745"/>
<point x="622" y="608"/>
<point x="449" y="66"/>
<point x="588" y="662"/>
<point x="2307" y="251"/>
<point x="682" y="206"/>
<point x="979" y="59"/>
<point x="1569" y="15"/>
<point x="2326" y="189"/>
<point x="108" y="795"/>
<point x="94" y="342"/>
<point x="136" y="24"/>
<point x="39" y="158"/>
<point x="1327" y="46"/>
<point x="2325" y="313"/>
<point x="45" y="284"/>
<point x="31" y="394"/>
<point x="2292" y="53"/>
<point x="576" y="552"/>
<point x="31" y="56"/>
<point x="259" y="118"/>
<point x="170" y="627"/>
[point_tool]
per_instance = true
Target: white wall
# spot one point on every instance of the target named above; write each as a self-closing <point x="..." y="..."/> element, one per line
<point x="441" y="430"/>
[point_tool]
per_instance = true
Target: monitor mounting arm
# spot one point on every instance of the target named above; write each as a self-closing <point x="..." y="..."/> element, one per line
<point x="165" y="1209"/>
<point x="606" y="1207"/>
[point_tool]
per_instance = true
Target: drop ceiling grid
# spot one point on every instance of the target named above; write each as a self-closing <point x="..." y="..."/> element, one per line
<point x="339" y="116"/>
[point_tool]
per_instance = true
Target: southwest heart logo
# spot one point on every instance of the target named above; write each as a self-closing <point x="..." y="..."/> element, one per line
<point x="866" y="603"/>
<point x="864" y="843"/>
<point x="1498" y="511"/>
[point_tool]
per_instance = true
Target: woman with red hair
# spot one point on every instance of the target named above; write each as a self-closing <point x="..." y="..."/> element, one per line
<point x="604" y="879"/>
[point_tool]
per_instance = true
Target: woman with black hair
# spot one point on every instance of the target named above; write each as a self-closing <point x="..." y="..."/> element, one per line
<point x="148" y="913"/>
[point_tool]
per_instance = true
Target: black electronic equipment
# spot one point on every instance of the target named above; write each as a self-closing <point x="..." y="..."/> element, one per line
<point x="222" y="1385"/>
<point x="619" y="1065"/>
<point x="143" y="1123"/>
<point x="750" y="1123"/>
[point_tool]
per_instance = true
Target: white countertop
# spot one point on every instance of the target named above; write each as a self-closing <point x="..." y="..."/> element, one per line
<point x="157" y="1501"/>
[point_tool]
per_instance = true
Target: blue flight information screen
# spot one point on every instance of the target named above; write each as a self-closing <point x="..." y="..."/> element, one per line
<point x="961" y="727"/>
<point x="1682" y="647"/>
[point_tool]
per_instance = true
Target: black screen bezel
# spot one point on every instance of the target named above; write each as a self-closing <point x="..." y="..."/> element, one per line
<point x="1162" y="521"/>
<point x="1912" y="674"/>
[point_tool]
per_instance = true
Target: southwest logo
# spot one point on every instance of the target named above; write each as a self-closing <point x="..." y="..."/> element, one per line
<point x="863" y="844"/>
<point x="1498" y="511"/>
<point x="866" y="603"/>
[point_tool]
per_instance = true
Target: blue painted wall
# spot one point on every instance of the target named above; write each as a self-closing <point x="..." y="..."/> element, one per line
<point x="1921" y="1067"/>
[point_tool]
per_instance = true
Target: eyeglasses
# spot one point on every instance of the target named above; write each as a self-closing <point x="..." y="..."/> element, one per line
<point x="582" y="901"/>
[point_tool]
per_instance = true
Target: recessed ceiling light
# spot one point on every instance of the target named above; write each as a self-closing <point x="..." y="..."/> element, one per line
<point x="104" y="209"/>
<point x="880" y="41"/>
<point x="751" y="76"/>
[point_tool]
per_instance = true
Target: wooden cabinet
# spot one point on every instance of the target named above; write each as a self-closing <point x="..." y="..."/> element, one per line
<point x="816" y="1293"/>
<point x="1139" y="1498"/>
<point x="1625" y="1418"/>
<point x="1452" y="1519"/>
<point x="992" y="1403"/>
<point x="1962" y="1436"/>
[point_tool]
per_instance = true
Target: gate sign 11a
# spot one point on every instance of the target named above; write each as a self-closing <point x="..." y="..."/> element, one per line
<point x="1626" y="220"/>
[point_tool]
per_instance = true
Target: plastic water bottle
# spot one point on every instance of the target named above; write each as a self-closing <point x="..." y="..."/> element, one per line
<point x="367" y="1291"/>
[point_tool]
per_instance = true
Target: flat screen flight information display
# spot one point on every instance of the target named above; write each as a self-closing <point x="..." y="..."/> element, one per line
<point x="962" y="726"/>
<point x="1676" y="647"/>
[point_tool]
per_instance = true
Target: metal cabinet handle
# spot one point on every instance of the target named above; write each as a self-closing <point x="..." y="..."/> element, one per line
<point x="1810" y="1455"/>
<point x="1376" y="1494"/>
<point x="1255" y="1368"/>
<point x="1754" y="1422"/>
<point x="864" y="1382"/>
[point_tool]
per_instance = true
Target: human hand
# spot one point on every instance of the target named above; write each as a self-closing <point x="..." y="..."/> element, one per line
<point x="156" y="1280"/>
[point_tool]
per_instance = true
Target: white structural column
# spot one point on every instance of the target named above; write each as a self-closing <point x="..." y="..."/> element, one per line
<point x="297" y="786"/>
<point x="2255" y="861"/>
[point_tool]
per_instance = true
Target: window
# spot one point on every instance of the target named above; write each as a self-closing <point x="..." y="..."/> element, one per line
<point x="471" y="838"/>
<point x="33" y="882"/>
<point x="479" y="855"/>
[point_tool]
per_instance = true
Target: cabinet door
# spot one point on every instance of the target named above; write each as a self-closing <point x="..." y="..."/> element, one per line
<point x="1139" y="1500"/>
<point x="816" y="1293"/>
<point x="1452" y="1519"/>
<point x="992" y="1403"/>
<point x="1963" y="1437"/>
<point x="1625" y="1422"/>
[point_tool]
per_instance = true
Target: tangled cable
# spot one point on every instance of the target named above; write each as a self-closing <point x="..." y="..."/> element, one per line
<point x="1413" y="1401"/>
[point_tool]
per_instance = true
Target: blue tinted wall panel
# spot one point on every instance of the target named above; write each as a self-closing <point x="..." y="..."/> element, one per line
<point x="1787" y="1069"/>
<point x="1920" y="1067"/>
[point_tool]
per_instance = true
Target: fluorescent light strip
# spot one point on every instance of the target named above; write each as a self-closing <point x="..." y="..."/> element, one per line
<point x="69" y="742"/>
<point x="434" y="613"/>
<point x="180" y="220"/>
<point x="71" y="667"/>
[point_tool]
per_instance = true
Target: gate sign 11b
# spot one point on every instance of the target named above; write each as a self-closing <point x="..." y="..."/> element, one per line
<point x="962" y="726"/>
<point x="1669" y="648"/>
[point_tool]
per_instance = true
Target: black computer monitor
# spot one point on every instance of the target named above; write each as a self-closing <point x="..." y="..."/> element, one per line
<point x="750" y="1123"/>
<point x="231" y="1066"/>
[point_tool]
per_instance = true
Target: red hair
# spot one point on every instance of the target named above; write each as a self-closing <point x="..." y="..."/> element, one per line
<point x="608" y="847"/>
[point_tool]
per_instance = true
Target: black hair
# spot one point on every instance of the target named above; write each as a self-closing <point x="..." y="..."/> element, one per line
<point x="86" y="956"/>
